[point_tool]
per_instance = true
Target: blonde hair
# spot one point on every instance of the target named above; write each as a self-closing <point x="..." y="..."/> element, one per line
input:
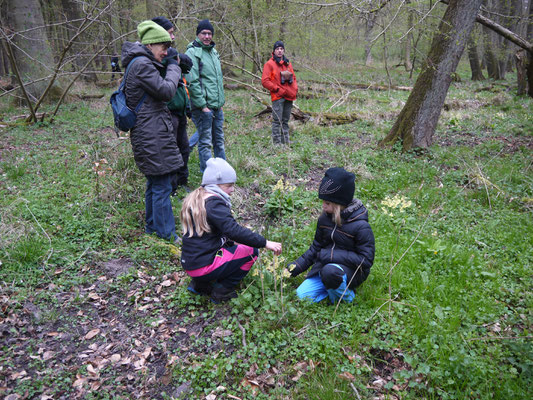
<point x="193" y="215"/>
<point x="336" y="215"/>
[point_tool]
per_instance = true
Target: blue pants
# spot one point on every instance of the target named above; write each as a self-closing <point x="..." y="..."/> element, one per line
<point x="159" y="216"/>
<point x="313" y="289"/>
<point x="193" y="141"/>
<point x="209" y="126"/>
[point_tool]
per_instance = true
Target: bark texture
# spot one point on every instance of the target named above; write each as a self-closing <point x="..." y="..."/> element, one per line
<point x="35" y="60"/>
<point x="473" y="58"/>
<point x="418" y="119"/>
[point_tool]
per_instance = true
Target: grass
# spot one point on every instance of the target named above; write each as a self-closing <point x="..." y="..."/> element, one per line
<point x="445" y="313"/>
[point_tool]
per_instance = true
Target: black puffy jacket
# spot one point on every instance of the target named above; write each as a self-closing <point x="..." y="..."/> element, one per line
<point x="200" y="251"/>
<point x="351" y="244"/>
<point x="152" y="138"/>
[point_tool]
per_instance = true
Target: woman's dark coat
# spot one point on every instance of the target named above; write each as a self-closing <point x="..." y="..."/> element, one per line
<point x="152" y="138"/>
<point x="351" y="245"/>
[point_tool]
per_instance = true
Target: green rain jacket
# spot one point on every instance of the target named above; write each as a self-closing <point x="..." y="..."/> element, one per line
<point x="204" y="80"/>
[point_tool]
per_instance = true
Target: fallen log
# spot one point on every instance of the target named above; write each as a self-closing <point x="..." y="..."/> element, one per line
<point x="108" y="84"/>
<point x="235" y="86"/>
<point x="40" y="117"/>
<point x="305" y="116"/>
<point x="91" y="96"/>
<point x="363" y="86"/>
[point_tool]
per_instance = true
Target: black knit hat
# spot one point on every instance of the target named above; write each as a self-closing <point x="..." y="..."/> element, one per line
<point x="164" y="22"/>
<point x="204" y="24"/>
<point x="279" y="43"/>
<point x="337" y="186"/>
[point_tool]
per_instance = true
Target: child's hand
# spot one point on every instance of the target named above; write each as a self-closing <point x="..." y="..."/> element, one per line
<point x="274" y="246"/>
<point x="293" y="269"/>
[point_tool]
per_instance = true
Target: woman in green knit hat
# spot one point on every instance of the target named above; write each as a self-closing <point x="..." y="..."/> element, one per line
<point x="152" y="138"/>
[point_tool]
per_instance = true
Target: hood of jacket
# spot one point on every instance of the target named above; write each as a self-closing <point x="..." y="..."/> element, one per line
<point x="130" y="50"/>
<point x="355" y="210"/>
<point x="197" y="43"/>
<point x="281" y="59"/>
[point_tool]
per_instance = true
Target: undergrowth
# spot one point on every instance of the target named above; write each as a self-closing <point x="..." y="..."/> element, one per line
<point x="445" y="313"/>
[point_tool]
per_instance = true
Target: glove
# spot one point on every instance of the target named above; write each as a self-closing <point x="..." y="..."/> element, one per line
<point x="171" y="57"/>
<point x="293" y="269"/>
<point x="185" y="63"/>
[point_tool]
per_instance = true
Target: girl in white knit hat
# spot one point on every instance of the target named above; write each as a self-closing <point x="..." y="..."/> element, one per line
<point x="217" y="252"/>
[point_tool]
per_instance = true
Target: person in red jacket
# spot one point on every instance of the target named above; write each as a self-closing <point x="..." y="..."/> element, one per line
<point x="279" y="79"/>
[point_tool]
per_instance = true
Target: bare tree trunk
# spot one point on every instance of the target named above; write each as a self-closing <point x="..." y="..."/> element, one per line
<point x="283" y="23"/>
<point x="473" y="57"/>
<point x="4" y="60"/>
<point x="521" y="59"/>
<point x="73" y="14"/>
<point x="491" y="59"/>
<point x="151" y="10"/>
<point x="408" y="40"/>
<point x="369" y="24"/>
<point x="255" y="41"/>
<point x="529" y="37"/>
<point x="418" y="119"/>
<point x="26" y="14"/>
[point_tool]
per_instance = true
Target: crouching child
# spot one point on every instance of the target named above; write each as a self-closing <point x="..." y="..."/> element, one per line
<point x="342" y="251"/>
<point x="217" y="252"/>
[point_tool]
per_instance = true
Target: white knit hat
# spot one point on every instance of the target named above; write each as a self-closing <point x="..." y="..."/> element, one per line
<point x="218" y="171"/>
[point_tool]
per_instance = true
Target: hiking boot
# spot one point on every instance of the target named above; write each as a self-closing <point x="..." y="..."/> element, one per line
<point x="221" y="294"/>
<point x="202" y="289"/>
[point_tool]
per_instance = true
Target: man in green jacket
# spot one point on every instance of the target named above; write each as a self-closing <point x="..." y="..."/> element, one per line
<point x="206" y="92"/>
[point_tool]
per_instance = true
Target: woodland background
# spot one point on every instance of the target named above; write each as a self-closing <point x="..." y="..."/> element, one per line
<point x="425" y="102"/>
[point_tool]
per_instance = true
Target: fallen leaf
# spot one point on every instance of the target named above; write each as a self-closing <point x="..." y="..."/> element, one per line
<point x="96" y="385"/>
<point x="166" y="283"/>
<point x="91" y="370"/>
<point x="92" y="333"/>
<point x="298" y="375"/>
<point x="379" y="383"/>
<point x="210" y="397"/>
<point x="158" y="322"/>
<point x="93" y="296"/>
<point x="147" y="352"/>
<point x="48" y="355"/>
<point x="219" y="332"/>
<point x="253" y="386"/>
<point x="78" y="383"/>
<point x="12" y="397"/>
<point x="115" y="358"/>
<point x="346" y="375"/>
<point x="18" y="375"/>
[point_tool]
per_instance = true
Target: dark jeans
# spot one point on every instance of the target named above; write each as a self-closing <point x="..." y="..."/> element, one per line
<point x="180" y="128"/>
<point x="159" y="216"/>
<point x="209" y="126"/>
<point x="281" y="113"/>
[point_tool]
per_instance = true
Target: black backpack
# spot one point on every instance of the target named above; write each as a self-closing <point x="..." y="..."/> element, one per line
<point x="125" y="118"/>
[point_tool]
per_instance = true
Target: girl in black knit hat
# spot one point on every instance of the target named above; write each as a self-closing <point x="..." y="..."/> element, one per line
<point x="342" y="251"/>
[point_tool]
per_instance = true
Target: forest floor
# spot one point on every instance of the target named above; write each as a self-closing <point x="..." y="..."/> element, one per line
<point x="91" y="308"/>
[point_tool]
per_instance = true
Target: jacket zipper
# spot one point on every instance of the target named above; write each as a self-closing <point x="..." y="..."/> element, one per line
<point x="333" y="247"/>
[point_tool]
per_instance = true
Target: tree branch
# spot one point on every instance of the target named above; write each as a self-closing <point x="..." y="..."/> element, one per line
<point x="502" y="31"/>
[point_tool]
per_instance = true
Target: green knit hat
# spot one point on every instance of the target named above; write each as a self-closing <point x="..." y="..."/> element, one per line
<point x="150" y="32"/>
